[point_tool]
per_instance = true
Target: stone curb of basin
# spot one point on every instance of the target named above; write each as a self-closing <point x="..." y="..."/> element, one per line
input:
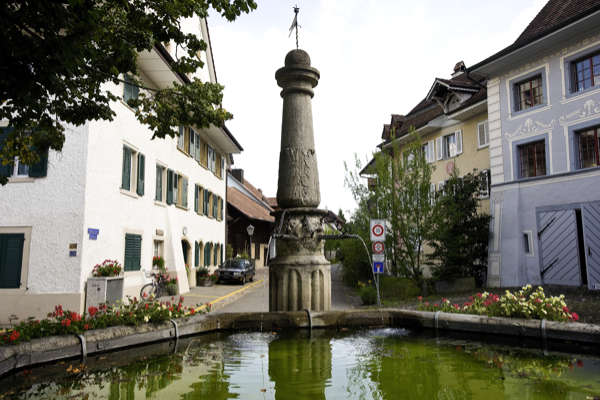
<point x="56" y="348"/>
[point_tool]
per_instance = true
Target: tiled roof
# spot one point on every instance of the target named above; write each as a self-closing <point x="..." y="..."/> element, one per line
<point x="272" y="202"/>
<point x="554" y="15"/>
<point x="248" y="206"/>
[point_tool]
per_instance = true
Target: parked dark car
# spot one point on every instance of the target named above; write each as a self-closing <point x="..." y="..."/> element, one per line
<point x="237" y="269"/>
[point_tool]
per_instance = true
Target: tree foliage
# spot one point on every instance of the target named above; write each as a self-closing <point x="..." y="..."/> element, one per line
<point x="57" y="57"/>
<point x="402" y="197"/>
<point x="460" y="237"/>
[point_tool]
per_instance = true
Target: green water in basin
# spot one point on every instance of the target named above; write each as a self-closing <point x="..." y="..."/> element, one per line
<point x="367" y="364"/>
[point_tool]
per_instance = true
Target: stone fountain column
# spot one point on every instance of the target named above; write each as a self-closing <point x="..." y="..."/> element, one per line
<point x="299" y="275"/>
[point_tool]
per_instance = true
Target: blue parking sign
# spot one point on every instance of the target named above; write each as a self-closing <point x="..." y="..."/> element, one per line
<point x="378" y="267"/>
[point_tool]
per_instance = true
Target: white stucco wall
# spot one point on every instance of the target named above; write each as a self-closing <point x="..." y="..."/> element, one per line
<point x="115" y="213"/>
<point x="81" y="191"/>
<point x="52" y="207"/>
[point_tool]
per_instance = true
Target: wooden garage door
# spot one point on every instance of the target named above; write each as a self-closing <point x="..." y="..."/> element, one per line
<point x="591" y="234"/>
<point x="559" y="248"/>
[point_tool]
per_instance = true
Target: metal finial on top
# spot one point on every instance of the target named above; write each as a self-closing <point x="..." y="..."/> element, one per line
<point x="295" y="24"/>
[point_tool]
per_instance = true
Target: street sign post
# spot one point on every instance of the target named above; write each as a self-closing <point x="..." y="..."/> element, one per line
<point x="378" y="247"/>
<point x="377" y="228"/>
<point x="378" y="257"/>
<point x="378" y="267"/>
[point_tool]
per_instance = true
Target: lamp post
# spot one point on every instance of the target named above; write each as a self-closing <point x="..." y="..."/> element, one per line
<point x="250" y="230"/>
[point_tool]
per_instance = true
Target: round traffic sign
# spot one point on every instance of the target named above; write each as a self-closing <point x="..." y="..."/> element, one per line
<point x="378" y="247"/>
<point x="377" y="230"/>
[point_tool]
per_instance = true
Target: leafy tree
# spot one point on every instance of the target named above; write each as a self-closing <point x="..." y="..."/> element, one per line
<point x="57" y="57"/>
<point x="402" y="197"/>
<point x="460" y="237"/>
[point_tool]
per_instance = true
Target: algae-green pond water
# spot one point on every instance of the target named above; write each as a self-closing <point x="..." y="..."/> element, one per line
<point x="367" y="364"/>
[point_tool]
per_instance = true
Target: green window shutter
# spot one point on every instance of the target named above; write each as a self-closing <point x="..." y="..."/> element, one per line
<point x="11" y="259"/>
<point x="215" y="255"/>
<point x="207" y="254"/>
<point x="126" y="177"/>
<point x="184" y="193"/>
<point x="196" y="198"/>
<point x="192" y="145"/>
<point x="158" y="196"/>
<point x="221" y="262"/>
<point x="169" y="186"/>
<point x="196" y="254"/>
<point x="141" y="174"/>
<point x="40" y="169"/>
<point x="205" y="205"/>
<point x="133" y="252"/>
<point x="5" y="170"/>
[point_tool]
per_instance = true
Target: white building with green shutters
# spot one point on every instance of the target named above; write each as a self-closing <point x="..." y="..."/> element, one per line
<point x="113" y="193"/>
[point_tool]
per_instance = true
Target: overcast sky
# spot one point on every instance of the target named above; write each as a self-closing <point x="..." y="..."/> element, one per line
<point x="376" y="58"/>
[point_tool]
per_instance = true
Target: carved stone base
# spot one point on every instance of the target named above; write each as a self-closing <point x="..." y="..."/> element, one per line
<point x="297" y="286"/>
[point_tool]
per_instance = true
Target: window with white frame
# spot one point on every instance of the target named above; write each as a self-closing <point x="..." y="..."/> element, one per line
<point x="212" y="160"/>
<point x="449" y="146"/>
<point x="429" y="151"/>
<point x="532" y="159"/>
<point x="160" y="183"/>
<point x="17" y="169"/>
<point x="181" y="138"/>
<point x="133" y="171"/>
<point x="158" y="248"/>
<point x="483" y="136"/>
<point x="585" y="72"/>
<point x="529" y="93"/>
<point x="588" y="146"/>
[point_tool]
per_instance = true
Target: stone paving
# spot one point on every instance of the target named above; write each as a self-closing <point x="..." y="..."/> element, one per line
<point x="256" y="299"/>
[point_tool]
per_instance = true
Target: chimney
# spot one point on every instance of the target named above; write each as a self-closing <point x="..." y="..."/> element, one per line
<point x="238" y="174"/>
<point x="459" y="68"/>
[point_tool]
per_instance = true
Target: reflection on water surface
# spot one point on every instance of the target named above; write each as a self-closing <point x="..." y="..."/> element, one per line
<point x="372" y="364"/>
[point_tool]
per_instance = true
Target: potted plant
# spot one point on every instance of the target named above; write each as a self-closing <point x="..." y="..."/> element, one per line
<point x="171" y="286"/>
<point x="202" y="277"/>
<point x="158" y="263"/>
<point x="106" y="283"/>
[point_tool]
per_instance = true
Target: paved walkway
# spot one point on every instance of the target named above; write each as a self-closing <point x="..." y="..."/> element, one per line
<point x="219" y="295"/>
<point x="256" y="298"/>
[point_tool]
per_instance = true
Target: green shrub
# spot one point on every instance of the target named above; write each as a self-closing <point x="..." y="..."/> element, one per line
<point x="355" y="264"/>
<point x="368" y="295"/>
<point x="398" y="288"/>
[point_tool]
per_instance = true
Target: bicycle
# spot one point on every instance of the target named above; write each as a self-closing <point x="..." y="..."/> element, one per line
<point x="156" y="288"/>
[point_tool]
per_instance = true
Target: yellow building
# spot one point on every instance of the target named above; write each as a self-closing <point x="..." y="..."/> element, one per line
<point x="451" y="121"/>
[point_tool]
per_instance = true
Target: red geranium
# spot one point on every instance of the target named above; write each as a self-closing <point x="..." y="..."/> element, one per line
<point x="14" y="336"/>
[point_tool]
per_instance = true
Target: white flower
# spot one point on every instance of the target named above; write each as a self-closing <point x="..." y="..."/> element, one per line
<point x="146" y="318"/>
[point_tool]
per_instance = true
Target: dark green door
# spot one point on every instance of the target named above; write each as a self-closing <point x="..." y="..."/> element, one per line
<point x="11" y="259"/>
